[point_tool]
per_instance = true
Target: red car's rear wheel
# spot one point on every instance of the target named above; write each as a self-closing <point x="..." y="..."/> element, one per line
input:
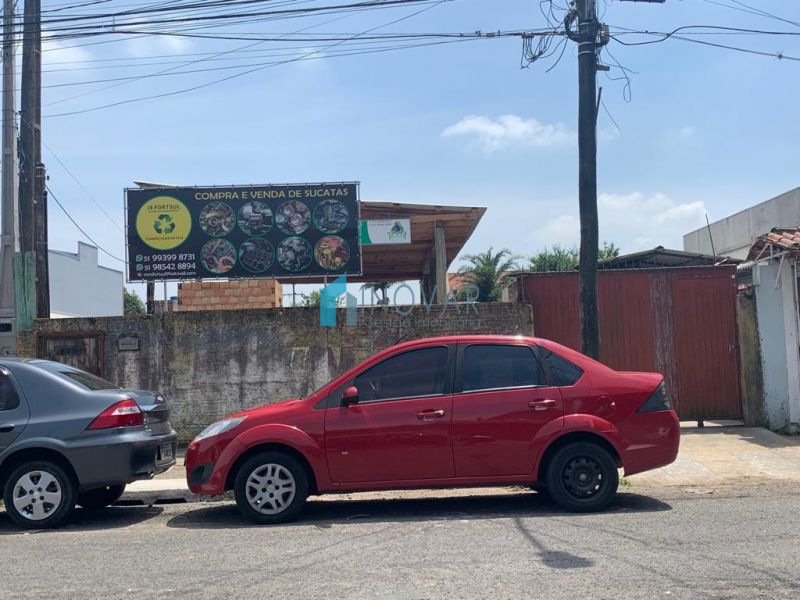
<point x="582" y="477"/>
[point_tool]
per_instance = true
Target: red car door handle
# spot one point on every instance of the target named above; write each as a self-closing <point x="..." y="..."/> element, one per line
<point x="430" y="414"/>
<point x="543" y="404"/>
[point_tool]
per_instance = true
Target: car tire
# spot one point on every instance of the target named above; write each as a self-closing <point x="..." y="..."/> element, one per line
<point x="100" y="498"/>
<point x="271" y="487"/>
<point x="582" y="477"/>
<point x="49" y="504"/>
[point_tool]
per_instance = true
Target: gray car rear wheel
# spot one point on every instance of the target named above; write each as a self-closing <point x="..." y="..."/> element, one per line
<point x="39" y="495"/>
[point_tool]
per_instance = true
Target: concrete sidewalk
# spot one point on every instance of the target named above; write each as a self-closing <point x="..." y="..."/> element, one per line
<point x="709" y="457"/>
<point x="728" y="455"/>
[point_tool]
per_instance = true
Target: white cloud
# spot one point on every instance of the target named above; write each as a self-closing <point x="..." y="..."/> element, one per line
<point x="56" y="52"/>
<point x="632" y="221"/>
<point x="158" y="44"/>
<point x="686" y="132"/>
<point x="491" y="135"/>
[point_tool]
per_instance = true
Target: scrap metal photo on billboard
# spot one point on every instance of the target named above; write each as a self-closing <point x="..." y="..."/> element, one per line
<point x="281" y="231"/>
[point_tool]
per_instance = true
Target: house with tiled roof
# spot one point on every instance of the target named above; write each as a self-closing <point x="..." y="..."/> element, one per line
<point x="770" y="275"/>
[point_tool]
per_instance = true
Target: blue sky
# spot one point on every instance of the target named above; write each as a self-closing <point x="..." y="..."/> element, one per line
<point x="706" y="129"/>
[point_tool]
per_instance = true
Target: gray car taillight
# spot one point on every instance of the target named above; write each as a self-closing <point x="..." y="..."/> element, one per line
<point x="657" y="401"/>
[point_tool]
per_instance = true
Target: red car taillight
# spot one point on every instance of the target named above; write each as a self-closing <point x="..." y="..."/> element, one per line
<point x="659" y="400"/>
<point x="125" y="413"/>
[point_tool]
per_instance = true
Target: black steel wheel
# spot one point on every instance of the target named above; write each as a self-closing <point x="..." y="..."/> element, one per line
<point x="582" y="477"/>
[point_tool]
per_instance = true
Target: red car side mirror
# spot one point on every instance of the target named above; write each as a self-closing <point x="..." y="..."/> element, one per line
<point x="350" y="396"/>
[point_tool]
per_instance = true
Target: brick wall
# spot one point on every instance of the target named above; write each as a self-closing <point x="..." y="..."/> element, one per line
<point x="229" y="295"/>
<point x="212" y="363"/>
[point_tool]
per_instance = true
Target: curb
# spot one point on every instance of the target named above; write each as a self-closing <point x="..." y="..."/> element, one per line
<point x="147" y="494"/>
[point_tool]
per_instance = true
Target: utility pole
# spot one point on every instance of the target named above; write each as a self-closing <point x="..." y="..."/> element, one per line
<point x="9" y="242"/>
<point x="32" y="194"/>
<point x="587" y="175"/>
<point x="591" y="36"/>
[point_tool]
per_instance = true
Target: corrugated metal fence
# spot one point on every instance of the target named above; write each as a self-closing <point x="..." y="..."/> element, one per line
<point x="680" y="322"/>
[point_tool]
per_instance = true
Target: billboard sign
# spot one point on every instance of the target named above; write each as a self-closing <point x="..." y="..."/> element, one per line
<point x="386" y="231"/>
<point x="280" y="231"/>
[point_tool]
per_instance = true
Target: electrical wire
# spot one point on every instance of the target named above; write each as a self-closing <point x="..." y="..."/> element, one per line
<point x="80" y="185"/>
<point x="249" y="70"/>
<point x="664" y="36"/>
<point x="50" y="194"/>
<point x="173" y="69"/>
<point x="746" y="8"/>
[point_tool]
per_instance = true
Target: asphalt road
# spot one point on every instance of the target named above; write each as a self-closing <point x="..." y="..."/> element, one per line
<point x="658" y="543"/>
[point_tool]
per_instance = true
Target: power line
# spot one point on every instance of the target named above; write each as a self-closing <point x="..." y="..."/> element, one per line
<point x="172" y="69"/>
<point x="80" y="185"/>
<point x="664" y="36"/>
<point x="74" y="222"/>
<point x="117" y="19"/>
<point x="746" y="8"/>
<point x="249" y="70"/>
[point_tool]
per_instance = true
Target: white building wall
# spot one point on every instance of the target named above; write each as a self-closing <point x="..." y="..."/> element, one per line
<point x="79" y="287"/>
<point x="734" y="235"/>
<point x="778" y="333"/>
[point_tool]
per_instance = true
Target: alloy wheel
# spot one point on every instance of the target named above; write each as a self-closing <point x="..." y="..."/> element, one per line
<point x="270" y="489"/>
<point x="37" y="495"/>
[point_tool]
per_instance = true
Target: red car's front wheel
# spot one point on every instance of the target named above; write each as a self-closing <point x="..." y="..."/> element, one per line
<point x="271" y="487"/>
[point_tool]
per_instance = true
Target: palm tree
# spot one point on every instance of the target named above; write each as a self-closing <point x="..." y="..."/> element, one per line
<point x="381" y="287"/>
<point x="489" y="272"/>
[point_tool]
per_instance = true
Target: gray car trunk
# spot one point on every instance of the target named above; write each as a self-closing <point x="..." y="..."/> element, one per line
<point x="155" y="408"/>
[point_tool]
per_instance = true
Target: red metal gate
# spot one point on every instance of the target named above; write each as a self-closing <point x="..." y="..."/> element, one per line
<point x="680" y="322"/>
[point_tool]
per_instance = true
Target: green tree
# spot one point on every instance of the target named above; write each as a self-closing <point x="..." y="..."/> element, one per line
<point x="312" y="298"/>
<point x="559" y="258"/>
<point x="608" y="250"/>
<point x="556" y="258"/>
<point x="133" y="305"/>
<point x="489" y="272"/>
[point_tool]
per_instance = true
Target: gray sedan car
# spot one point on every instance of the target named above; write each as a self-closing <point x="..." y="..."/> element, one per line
<point x="68" y="437"/>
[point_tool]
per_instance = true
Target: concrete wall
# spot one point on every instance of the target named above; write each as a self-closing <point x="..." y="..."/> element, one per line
<point x="772" y="338"/>
<point x="80" y="287"/>
<point x="209" y="364"/>
<point x="734" y="235"/>
<point x="752" y="380"/>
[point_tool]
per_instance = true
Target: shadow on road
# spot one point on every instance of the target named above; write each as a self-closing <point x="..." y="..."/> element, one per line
<point x="89" y="520"/>
<point x="324" y="513"/>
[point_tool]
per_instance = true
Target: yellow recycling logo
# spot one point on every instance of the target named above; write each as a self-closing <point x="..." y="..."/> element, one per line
<point x="163" y="223"/>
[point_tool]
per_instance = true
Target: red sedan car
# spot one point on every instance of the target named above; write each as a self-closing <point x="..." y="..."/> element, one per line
<point x="445" y="412"/>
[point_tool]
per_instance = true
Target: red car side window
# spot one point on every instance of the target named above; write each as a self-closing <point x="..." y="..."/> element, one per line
<point x="494" y="366"/>
<point x="408" y="375"/>
<point x="561" y="371"/>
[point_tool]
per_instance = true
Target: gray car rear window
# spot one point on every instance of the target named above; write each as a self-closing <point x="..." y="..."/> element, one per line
<point x="9" y="399"/>
<point x="87" y="380"/>
<point x="73" y="375"/>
